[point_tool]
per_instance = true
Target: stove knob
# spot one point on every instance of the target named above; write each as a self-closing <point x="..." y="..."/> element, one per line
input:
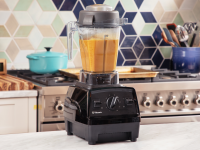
<point x="173" y="101"/>
<point x="185" y="101"/>
<point x="159" y="101"/>
<point x="147" y="102"/>
<point x="59" y="106"/>
<point x="197" y="100"/>
<point x="112" y="102"/>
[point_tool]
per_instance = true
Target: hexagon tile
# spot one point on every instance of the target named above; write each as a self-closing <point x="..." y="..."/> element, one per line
<point x="27" y="26"/>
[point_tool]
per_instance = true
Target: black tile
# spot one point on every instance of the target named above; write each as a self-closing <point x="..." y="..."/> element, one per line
<point x="147" y="53"/>
<point x="163" y="43"/>
<point x="57" y="3"/>
<point x="157" y="58"/>
<point x="68" y="5"/>
<point x="148" y="41"/>
<point x="130" y="63"/>
<point x="121" y="37"/>
<point x="64" y="32"/>
<point x="77" y="9"/>
<point x="128" y="41"/>
<point x="138" y="47"/>
<point x="120" y="59"/>
<point x="120" y="9"/>
<point x="148" y="17"/>
<point x="130" y="16"/>
<point x="146" y="62"/>
<point x="128" y="53"/>
<point x="166" y="64"/>
<point x="99" y="1"/>
<point x="138" y="3"/>
<point x="129" y="30"/>
<point x="157" y="35"/>
<point x="87" y="2"/>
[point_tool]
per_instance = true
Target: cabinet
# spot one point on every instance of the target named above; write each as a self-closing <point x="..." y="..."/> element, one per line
<point x="17" y="115"/>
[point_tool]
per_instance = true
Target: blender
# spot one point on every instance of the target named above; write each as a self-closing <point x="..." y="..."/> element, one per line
<point x="98" y="108"/>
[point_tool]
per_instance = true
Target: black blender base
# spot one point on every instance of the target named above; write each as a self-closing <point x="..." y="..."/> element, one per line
<point x="103" y="133"/>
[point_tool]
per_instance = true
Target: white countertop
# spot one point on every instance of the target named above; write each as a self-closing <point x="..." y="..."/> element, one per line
<point x="20" y="93"/>
<point x="177" y="136"/>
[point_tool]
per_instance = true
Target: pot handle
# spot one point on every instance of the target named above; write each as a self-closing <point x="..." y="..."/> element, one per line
<point x="71" y="28"/>
<point x="32" y="57"/>
<point x="48" y="48"/>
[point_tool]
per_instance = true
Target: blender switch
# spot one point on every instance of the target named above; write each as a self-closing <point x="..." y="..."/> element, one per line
<point x="129" y="101"/>
<point x="97" y="103"/>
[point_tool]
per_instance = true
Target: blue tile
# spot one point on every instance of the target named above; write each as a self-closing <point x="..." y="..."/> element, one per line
<point x="146" y="62"/>
<point x="130" y="16"/>
<point x="120" y="9"/>
<point x="130" y="63"/>
<point x="129" y="30"/>
<point x="157" y="58"/>
<point x="87" y="2"/>
<point x="64" y="32"/>
<point x="99" y="1"/>
<point x="148" y="17"/>
<point x="163" y="43"/>
<point x="128" y="53"/>
<point x="128" y="41"/>
<point x="147" y="53"/>
<point x="68" y="5"/>
<point x="138" y="47"/>
<point x="77" y="9"/>
<point x="138" y="3"/>
<point x="120" y="59"/>
<point x="157" y="35"/>
<point x="121" y="37"/>
<point x="58" y="3"/>
<point x="148" y="41"/>
<point x="166" y="64"/>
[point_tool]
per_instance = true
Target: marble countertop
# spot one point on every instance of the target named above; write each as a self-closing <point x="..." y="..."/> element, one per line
<point x="176" y="136"/>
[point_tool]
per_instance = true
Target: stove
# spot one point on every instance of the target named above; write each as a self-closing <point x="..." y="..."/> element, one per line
<point x="169" y="97"/>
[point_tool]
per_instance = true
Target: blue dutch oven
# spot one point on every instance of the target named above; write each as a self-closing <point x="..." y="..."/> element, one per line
<point x="47" y="62"/>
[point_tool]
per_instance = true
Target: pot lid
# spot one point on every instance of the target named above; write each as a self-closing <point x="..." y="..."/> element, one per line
<point x="100" y="15"/>
<point x="48" y="53"/>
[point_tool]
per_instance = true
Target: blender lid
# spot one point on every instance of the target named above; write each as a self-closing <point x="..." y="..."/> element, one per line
<point x="100" y="15"/>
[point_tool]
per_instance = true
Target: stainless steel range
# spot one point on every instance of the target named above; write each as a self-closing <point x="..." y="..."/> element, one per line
<point x="169" y="97"/>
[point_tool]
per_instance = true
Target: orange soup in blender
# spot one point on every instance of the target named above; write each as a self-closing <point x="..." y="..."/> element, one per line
<point x="99" y="55"/>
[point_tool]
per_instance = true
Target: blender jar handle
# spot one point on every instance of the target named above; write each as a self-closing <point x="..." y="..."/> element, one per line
<point x="71" y="28"/>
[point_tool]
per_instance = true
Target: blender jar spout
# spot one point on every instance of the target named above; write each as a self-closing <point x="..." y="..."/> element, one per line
<point x="71" y="28"/>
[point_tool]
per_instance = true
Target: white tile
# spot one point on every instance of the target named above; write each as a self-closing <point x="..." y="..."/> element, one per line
<point x="188" y="4"/>
<point x="4" y="15"/>
<point x="70" y="16"/>
<point x="35" y="11"/>
<point x="148" y="5"/>
<point x="138" y="23"/>
<point x="169" y="5"/>
<point x="47" y="18"/>
<point x="23" y="18"/>
<point x="187" y="16"/>
<point x="35" y="37"/>
<point x="11" y="3"/>
<point x="4" y="42"/>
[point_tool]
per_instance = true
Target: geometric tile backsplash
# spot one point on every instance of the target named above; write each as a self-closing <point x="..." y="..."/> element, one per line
<point x="27" y="26"/>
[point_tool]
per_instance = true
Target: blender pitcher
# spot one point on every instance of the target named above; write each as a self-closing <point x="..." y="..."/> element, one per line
<point x="99" y="31"/>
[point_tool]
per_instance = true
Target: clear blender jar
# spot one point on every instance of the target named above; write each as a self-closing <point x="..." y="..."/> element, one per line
<point x="99" y="31"/>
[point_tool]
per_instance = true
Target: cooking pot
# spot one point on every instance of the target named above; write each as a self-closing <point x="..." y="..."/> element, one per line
<point x="47" y="62"/>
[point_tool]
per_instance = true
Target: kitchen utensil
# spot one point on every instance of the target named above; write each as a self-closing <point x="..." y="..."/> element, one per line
<point x="196" y="42"/>
<point x="173" y="35"/>
<point x="47" y="62"/>
<point x="190" y="27"/>
<point x="171" y="26"/>
<point x="186" y="59"/>
<point x="3" y="66"/>
<point x="124" y="72"/>
<point x="194" y="36"/>
<point x="168" y="39"/>
<point x="182" y="35"/>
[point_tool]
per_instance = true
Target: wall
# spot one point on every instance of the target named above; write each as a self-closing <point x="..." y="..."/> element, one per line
<point x="27" y="26"/>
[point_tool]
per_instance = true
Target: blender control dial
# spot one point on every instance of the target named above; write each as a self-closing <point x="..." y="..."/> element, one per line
<point x="112" y="102"/>
<point x="59" y="106"/>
